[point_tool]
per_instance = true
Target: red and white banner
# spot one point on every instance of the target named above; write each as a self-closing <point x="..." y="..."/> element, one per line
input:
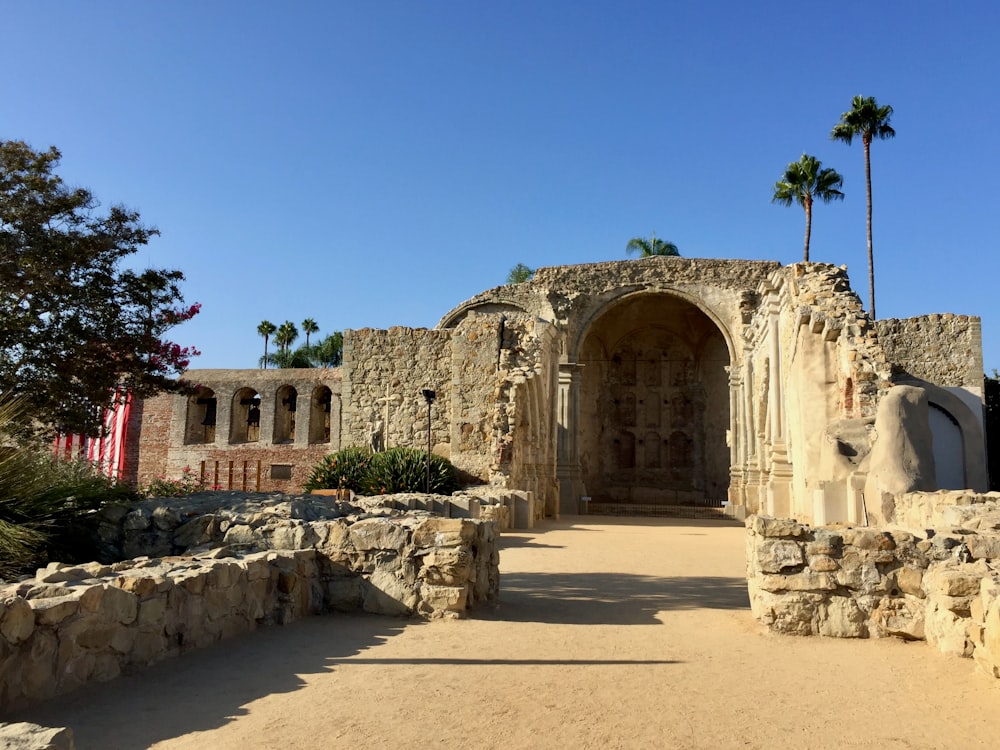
<point x="106" y="451"/>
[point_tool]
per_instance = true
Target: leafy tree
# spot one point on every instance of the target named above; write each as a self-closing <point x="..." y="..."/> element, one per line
<point x="519" y="274"/>
<point x="653" y="246"/>
<point x="868" y="120"/>
<point x="266" y="329"/>
<point x="804" y="181"/>
<point x="309" y="326"/>
<point x="75" y="327"/>
<point x="286" y="335"/>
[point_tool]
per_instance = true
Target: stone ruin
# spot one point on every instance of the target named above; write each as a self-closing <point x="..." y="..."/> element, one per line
<point x="204" y="568"/>
<point x="652" y="381"/>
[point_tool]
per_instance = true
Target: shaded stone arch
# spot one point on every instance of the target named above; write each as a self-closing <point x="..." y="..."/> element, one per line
<point x="457" y="315"/>
<point x="320" y="414"/>
<point x="654" y="401"/>
<point x="285" y="407"/>
<point x="628" y="295"/>
<point x="245" y="424"/>
<point x="968" y="426"/>
<point x="202" y="410"/>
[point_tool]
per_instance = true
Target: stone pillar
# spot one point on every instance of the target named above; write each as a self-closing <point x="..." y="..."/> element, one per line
<point x="737" y="442"/>
<point x="779" y="486"/>
<point x="568" y="438"/>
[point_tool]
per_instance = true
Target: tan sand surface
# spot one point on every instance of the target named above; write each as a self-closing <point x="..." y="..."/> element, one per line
<point x="611" y="633"/>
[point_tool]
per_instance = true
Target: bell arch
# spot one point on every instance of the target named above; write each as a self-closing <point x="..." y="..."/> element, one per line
<point x="654" y="417"/>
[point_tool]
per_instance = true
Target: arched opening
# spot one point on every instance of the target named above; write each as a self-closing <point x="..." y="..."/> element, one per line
<point x="201" y="416"/>
<point x="949" y="454"/>
<point x="319" y="415"/>
<point x="654" y="404"/>
<point x="285" y="403"/>
<point x="245" y="425"/>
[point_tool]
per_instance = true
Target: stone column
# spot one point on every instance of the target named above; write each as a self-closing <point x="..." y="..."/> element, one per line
<point x="568" y="436"/>
<point x="737" y="442"/>
<point x="779" y="493"/>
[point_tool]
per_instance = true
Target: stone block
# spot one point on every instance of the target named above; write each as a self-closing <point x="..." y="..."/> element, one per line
<point x="779" y="555"/>
<point x="444" y="532"/>
<point x="841" y="617"/>
<point x="53" y="610"/>
<point x="378" y="534"/>
<point x="443" y="601"/>
<point x="385" y="594"/>
<point x="17" y="619"/>
<point x="984" y="546"/>
<point x="112" y="603"/>
<point x="805" y="581"/>
<point x="447" y="566"/>
<point x="902" y="617"/>
<point x="24" y="736"/>
<point x="767" y="526"/>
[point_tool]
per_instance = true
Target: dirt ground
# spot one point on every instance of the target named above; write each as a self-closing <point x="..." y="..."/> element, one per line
<point x="611" y="633"/>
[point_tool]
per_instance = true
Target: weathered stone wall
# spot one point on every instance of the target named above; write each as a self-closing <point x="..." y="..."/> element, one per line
<point x="74" y="624"/>
<point x="278" y="453"/>
<point x="397" y="364"/>
<point x="848" y="582"/>
<point x="943" y="349"/>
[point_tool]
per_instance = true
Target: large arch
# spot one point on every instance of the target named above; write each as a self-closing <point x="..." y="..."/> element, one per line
<point x="653" y="404"/>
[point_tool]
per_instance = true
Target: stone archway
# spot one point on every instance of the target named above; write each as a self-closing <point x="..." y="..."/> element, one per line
<point x="654" y="403"/>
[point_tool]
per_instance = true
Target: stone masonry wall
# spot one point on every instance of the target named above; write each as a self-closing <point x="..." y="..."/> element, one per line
<point x="71" y="625"/>
<point x="942" y="349"/>
<point x="398" y="364"/>
<point x="845" y="582"/>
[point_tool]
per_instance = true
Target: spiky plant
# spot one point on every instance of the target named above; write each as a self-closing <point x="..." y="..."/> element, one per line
<point x="344" y="470"/>
<point x="405" y="470"/>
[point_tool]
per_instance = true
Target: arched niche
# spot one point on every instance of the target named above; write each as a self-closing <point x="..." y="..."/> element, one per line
<point x="654" y="402"/>
<point x="245" y="424"/>
<point x="202" y="408"/>
<point x="285" y="405"/>
<point x="320" y="407"/>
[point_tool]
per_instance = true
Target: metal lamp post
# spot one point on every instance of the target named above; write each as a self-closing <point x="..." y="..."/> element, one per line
<point x="429" y="396"/>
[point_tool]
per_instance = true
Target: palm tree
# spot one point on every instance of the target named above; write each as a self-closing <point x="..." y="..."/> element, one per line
<point x="286" y="335"/>
<point x="265" y="329"/>
<point x="309" y="326"/>
<point x="868" y="120"/>
<point x="652" y="246"/>
<point x="519" y="274"/>
<point x="805" y="181"/>
<point x="329" y="351"/>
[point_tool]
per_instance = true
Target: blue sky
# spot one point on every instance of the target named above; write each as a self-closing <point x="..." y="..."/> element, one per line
<point x="376" y="163"/>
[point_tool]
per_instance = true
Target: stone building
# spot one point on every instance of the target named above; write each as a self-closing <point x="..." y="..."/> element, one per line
<point x="657" y="380"/>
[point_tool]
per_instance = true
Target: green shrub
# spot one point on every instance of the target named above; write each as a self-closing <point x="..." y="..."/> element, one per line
<point x="392" y="470"/>
<point x="187" y="484"/>
<point x="405" y="470"/>
<point x="343" y="470"/>
<point x="47" y="505"/>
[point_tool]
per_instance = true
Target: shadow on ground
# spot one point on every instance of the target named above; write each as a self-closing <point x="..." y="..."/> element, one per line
<point x="206" y="689"/>
<point x="610" y="598"/>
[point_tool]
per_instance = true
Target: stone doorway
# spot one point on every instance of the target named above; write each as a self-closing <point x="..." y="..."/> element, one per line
<point x="654" y="404"/>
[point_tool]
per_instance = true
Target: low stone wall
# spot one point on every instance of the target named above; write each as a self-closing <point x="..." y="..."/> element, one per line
<point x="70" y="625"/>
<point x="863" y="582"/>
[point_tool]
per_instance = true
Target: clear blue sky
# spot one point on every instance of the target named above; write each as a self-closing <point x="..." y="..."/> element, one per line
<point x="374" y="163"/>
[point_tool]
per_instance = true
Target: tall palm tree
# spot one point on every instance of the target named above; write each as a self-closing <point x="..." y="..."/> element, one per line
<point x="652" y="246"/>
<point x="265" y="329"/>
<point x="309" y="326"/>
<point x="867" y="119"/>
<point x="805" y="181"/>
<point x="286" y="335"/>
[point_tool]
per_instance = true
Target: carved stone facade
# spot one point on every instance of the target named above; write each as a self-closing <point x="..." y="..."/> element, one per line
<point x="659" y="380"/>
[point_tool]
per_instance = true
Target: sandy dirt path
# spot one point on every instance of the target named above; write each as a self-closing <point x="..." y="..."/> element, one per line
<point x="611" y="633"/>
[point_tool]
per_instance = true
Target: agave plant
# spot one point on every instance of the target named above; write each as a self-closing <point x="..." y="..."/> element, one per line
<point x="45" y="503"/>
<point x="405" y="470"/>
<point x="343" y="470"/>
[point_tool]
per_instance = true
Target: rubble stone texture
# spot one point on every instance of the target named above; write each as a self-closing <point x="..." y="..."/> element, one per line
<point x="252" y="563"/>
<point x="940" y="585"/>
